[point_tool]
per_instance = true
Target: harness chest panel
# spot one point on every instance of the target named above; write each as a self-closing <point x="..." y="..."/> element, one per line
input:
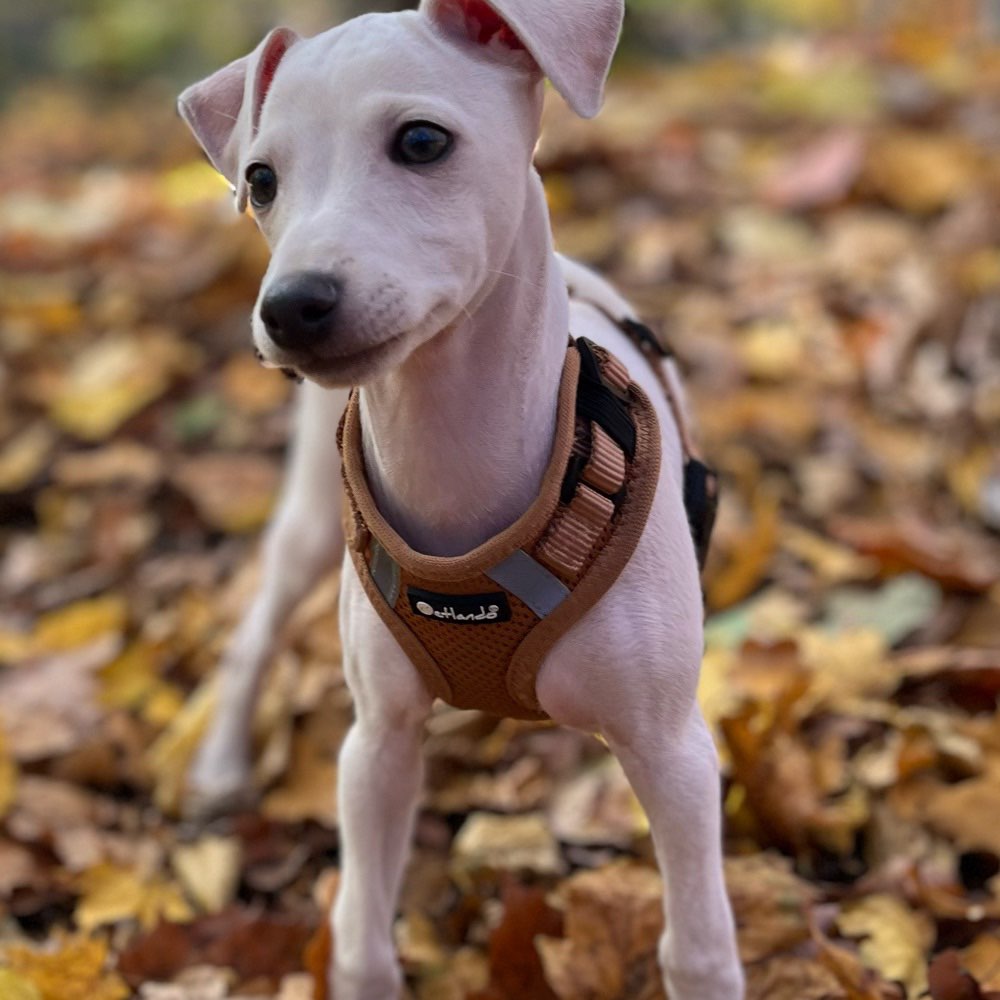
<point x="478" y="626"/>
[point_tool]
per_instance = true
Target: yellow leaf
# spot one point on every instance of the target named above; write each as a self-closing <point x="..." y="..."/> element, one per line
<point x="79" y="624"/>
<point x="14" y="646"/>
<point x="895" y="939"/>
<point x="114" y="379"/>
<point x="111" y="895"/>
<point x="834" y="563"/>
<point x="15" y="987"/>
<point x="75" y="970"/>
<point x="921" y="172"/>
<point x="209" y="870"/>
<point x="772" y="349"/>
<point x="23" y="457"/>
<point x="8" y="778"/>
<point x="171" y="754"/>
<point x="191" y="184"/>
<point x="849" y="663"/>
<point x="164" y="702"/>
<point x="130" y="677"/>
<point x="751" y="555"/>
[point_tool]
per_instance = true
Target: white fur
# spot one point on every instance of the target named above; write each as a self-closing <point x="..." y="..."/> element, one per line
<point x="454" y="322"/>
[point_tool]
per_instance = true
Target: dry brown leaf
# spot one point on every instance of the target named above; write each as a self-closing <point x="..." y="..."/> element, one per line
<point x="251" y="388"/>
<point x="506" y="843"/>
<point x="921" y="171"/>
<point x="123" y="463"/>
<point x="53" y="707"/>
<point x="613" y="921"/>
<point x="770" y="903"/>
<point x="982" y="959"/>
<point x="233" y="492"/>
<point x="967" y="812"/>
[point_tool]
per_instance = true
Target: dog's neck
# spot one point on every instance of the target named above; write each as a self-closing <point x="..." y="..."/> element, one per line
<point x="456" y="440"/>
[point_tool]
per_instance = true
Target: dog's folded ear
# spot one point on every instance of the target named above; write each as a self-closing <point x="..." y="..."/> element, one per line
<point x="223" y="110"/>
<point x="572" y="41"/>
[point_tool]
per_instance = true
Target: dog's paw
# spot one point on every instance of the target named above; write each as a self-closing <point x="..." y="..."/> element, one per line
<point x="212" y="792"/>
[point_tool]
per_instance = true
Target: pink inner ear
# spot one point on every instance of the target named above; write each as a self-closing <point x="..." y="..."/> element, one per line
<point x="269" y="61"/>
<point x="484" y="24"/>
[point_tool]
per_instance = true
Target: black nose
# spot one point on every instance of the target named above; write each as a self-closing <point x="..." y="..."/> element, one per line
<point x="298" y="309"/>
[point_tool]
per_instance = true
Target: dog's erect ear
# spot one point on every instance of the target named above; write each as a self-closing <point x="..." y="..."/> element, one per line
<point x="223" y="110"/>
<point x="572" y="41"/>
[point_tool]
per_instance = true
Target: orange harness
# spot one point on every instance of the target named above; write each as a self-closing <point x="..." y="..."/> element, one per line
<point x="478" y="626"/>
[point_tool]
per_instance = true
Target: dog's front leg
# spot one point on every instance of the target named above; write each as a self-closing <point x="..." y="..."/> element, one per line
<point x="302" y="543"/>
<point x="676" y="777"/>
<point x="379" y="781"/>
<point x="644" y="704"/>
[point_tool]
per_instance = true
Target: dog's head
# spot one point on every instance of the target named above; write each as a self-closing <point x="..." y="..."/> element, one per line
<point x="387" y="162"/>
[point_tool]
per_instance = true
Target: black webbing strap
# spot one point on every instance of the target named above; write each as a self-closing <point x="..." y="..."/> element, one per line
<point x="701" y="500"/>
<point x="598" y="402"/>
<point x="644" y="338"/>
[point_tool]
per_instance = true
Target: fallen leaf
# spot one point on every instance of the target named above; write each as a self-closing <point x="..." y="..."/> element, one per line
<point x="79" y="624"/>
<point x="920" y="171"/>
<point x="8" y="777"/>
<point x="515" y="965"/>
<point x="252" y="388"/>
<point x="233" y="492"/>
<point x="116" y="377"/>
<point x="770" y="903"/>
<point x="613" y="921"/>
<point x="24" y="457"/>
<point x="209" y="871"/>
<point x="895" y="938"/>
<point x="821" y="173"/>
<point x="15" y="987"/>
<point x="506" y="843"/>
<point x="74" y="968"/>
<point x="110" y="895"/>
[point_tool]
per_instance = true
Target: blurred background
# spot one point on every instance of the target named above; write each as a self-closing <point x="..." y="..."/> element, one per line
<point x="803" y="196"/>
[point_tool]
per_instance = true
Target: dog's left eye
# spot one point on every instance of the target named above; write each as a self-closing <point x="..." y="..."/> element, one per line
<point x="419" y="143"/>
<point x="263" y="184"/>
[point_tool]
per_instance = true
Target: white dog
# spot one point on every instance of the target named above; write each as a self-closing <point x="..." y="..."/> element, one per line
<point x="388" y="162"/>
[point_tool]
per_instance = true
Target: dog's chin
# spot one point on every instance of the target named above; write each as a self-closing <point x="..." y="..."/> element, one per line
<point x="357" y="367"/>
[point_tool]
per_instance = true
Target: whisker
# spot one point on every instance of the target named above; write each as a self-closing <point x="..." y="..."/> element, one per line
<point x="516" y="277"/>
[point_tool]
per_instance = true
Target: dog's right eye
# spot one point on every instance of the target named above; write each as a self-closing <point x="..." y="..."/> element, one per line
<point x="263" y="183"/>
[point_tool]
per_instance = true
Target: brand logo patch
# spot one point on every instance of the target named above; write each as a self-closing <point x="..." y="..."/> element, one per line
<point x="459" y="609"/>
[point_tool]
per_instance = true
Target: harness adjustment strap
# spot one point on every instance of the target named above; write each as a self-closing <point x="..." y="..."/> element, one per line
<point x="527" y="579"/>
<point x="385" y="572"/>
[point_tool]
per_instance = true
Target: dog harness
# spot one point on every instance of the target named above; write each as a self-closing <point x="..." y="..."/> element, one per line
<point x="478" y="626"/>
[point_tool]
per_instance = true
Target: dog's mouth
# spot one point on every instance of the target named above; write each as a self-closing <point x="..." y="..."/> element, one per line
<point x="336" y="369"/>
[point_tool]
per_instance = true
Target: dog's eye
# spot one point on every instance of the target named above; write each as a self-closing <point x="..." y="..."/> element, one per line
<point x="263" y="184"/>
<point x="419" y="143"/>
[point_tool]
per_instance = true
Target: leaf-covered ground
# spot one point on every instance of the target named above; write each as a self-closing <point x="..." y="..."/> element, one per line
<point x="816" y="225"/>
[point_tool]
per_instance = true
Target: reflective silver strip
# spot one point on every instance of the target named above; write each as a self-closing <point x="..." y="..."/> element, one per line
<point x="529" y="580"/>
<point x="385" y="572"/>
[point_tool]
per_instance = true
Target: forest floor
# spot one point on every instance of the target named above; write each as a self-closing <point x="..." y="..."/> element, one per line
<point x="815" y="226"/>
